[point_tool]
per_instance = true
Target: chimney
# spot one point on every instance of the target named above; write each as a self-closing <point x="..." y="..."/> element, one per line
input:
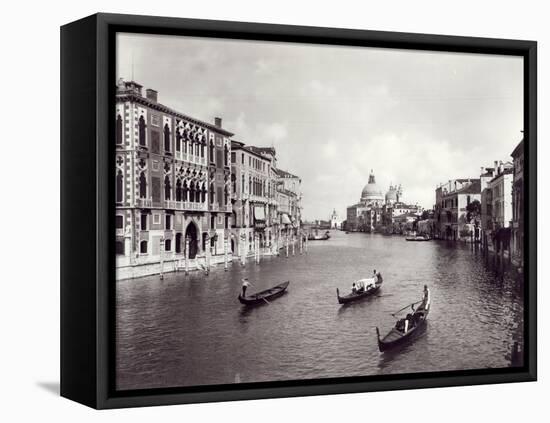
<point x="151" y="95"/>
<point x="218" y="122"/>
<point x="496" y="165"/>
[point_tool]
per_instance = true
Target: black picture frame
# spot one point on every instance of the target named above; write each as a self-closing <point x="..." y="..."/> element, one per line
<point x="87" y="272"/>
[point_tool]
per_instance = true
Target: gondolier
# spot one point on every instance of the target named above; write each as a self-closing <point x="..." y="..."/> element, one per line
<point x="245" y="285"/>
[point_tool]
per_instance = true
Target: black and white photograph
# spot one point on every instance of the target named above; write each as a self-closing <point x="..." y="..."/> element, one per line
<point x="292" y="211"/>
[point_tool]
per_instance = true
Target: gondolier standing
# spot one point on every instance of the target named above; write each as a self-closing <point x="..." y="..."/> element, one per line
<point x="245" y="285"/>
<point x="426" y="299"/>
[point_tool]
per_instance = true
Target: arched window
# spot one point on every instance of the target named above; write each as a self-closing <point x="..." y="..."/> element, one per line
<point x="142" y="185"/>
<point x="185" y="142"/>
<point x="225" y="156"/>
<point x="167" y="188"/>
<point x="185" y="189"/>
<point x="203" y="193"/>
<point x="143" y="247"/>
<point x="192" y="192"/>
<point x="119" y="187"/>
<point x="198" y="194"/>
<point x="203" y="145"/>
<point x="211" y="193"/>
<point x="119" y="248"/>
<point x="178" y="140"/>
<point x="178" y="190"/>
<point x="141" y="131"/>
<point x="166" y="138"/>
<point x="242" y="184"/>
<point x="168" y="245"/>
<point x="211" y="153"/>
<point x="250" y="184"/>
<point x="119" y="130"/>
<point x="225" y="195"/>
<point x="197" y="147"/>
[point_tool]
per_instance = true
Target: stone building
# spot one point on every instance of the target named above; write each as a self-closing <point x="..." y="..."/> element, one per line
<point x="170" y="184"/>
<point x="452" y="219"/>
<point x="518" y="206"/>
<point x="496" y="204"/>
<point x="366" y="214"/>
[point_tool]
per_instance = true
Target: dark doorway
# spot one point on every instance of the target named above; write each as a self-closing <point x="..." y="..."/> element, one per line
<point x="191" y="234"/>
<point x="178" y="242"/>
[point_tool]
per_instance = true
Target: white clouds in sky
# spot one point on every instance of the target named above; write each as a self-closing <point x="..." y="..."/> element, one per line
<point x="333" y="113"/>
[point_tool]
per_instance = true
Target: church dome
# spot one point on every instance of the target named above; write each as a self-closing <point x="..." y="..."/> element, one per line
<point x="391" y="195"/>
<point x="371" y="192"/>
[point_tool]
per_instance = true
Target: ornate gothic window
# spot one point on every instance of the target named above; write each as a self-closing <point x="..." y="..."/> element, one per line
<point x="211" y="153"/>
<point x="212" y="193"/>
<point x="119" y="187"/>
<point x="141" y="131"/>
<point x="185" y="189"/>
<point x="166" y="138"/>
<point x="142" y="185"/>
<point x="119" y="130"/>
<point x="178" y="190"/>
<point x="167" y="188"/>
<point x="203" y="193"/>
<point x="178" y="140"/>
<point x="192" y="192"/>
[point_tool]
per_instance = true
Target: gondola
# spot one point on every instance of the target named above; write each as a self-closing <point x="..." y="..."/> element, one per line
<point x="397" y="335"/>
<point x="263" y="296"/>
<point x="418" y="238"/>
<point x="358" y="295"/>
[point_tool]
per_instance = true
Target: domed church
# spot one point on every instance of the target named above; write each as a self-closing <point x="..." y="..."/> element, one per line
<point x="372" y="194"/>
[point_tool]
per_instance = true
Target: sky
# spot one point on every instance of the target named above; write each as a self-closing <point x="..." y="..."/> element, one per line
<point x="333" y="113"/>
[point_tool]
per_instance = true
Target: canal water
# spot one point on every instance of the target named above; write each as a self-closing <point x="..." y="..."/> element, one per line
<point x="191" y="330"/>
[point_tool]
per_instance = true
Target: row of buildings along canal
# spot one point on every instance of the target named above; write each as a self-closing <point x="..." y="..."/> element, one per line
<point x="189" y="194"/>
<point x="487" y="210"/>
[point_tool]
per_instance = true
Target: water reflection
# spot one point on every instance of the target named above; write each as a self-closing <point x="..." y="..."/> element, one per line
<point x="191" y="330"/>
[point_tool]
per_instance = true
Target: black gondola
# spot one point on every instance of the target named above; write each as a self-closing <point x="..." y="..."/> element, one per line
<point x="262" y="296"/>
<point x="353" y="296"/>
<point x="397" y="335"/>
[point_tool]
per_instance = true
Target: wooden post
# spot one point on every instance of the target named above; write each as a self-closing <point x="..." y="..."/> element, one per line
<point x="306" y="243"/>
<point x="301" y="241"/>
<point x="186" y="255"/>
<point x="161" y="252"/>
<point x="293" y="246"/>
<point x="257" y="249"/>
<point x="208" y="253"/>
<point x="286" y="245"/>
<point x="225" y="257"/>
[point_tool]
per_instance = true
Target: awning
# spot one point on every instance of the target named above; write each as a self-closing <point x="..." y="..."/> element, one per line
<point x="285" y="220"/>
<point x="259" y="213"/>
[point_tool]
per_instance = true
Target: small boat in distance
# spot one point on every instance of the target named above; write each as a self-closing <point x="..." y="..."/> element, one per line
<point x="370" y="287"/>
<point x="317" y="237"/>
<point x="405" y="328"/>
<point x="262" y="296"/>
<point x="418" y="238"/>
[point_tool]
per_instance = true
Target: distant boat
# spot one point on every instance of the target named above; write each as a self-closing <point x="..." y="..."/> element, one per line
<point x="371" y="288"/>
<point x="418" y="238"/>
<point x="397" y="335"/>
<point x="317" y="237"/>
<point x="262" y="296"/>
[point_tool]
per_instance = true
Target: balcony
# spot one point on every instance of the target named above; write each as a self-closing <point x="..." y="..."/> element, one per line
<point x="120" y="232"/>
<point x="214" y="207"/>
<point x="188" y="205"/>
<point x="144" y="202"/>
<point x="227" y="208"/>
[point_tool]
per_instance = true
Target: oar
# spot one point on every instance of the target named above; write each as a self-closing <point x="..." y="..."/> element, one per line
<point x="266" y="301"/>
<point x="407" y="306"/>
